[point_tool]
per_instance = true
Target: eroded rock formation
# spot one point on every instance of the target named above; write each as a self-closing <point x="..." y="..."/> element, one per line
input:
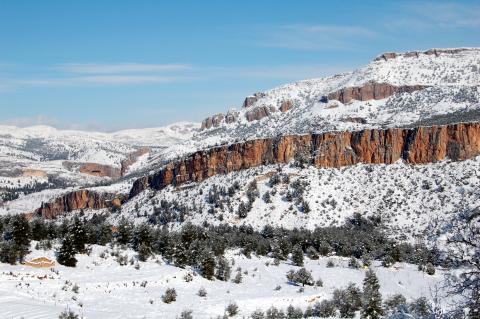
<point x="335" y="149"/>
<point x="212" y="121"/>
<point x="259" y="113"/>
<point x="437" y="52"/>
<point x="79" y="199"/>
<point x="371" y="91"/>
<point x="250" y="100"/>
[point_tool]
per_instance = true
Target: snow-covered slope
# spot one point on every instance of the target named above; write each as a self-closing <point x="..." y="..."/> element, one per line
<point x="40" y="157"/>
<point x="451" y="78"/>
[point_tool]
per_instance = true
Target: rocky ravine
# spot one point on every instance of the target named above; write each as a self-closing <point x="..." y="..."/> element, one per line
<point x="334" y="149"/>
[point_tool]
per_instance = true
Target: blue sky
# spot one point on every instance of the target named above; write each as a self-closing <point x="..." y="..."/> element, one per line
<point x="111" y="64"/>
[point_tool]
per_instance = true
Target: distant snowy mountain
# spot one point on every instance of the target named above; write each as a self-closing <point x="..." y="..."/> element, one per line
<point x="40" y="157"/>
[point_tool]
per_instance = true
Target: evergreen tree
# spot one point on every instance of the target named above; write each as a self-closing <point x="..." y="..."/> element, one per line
<point x="79" y="235"/>
<point x="124" y="232"/>
<point x="223" y="270"/>
<point x="39" y="229"/>
<point x="208" y="265"/>
<point x="372" y="299"/>
<point x="66" y="253"/>
<point x="143" y="236"/>
<point x="20" y="230"/>
<point x="297" y="255"/>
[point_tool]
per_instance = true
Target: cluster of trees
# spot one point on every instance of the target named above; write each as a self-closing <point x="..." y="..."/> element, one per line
<point x="204" y="246"/>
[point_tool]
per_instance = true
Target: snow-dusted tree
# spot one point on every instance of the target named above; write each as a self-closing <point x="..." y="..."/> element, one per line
<point x="294" y="312"/>
<point x="124" y="232"/>
<point x="170" y="295"/>
<point x="207" y="265"/>
<point x="302" y="276"/>
<point x="372" y="299"/>
<point x="462" y="251"/>
<point x="66" y="253"/>
<point x="297" y="255"/>
<point x="348" y="300"/>
<point x="223" y="270"/>
<point x="78" y="235"/>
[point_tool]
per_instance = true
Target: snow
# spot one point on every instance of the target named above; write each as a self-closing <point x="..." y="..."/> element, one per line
<point x="108" y="290"/>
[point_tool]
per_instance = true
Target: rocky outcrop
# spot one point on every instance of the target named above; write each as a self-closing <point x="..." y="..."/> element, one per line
<point x="250" y="100"/>
<point x="131" y="159"/>
<point x="335" y="149"/>
<point x="259" y="113"/>
<point x="371" y="91"/>
<point x="437" y="52"/>
<point x="76" y="200"/>
<point x="286" y="106"/>
<point x="213" y="121"/>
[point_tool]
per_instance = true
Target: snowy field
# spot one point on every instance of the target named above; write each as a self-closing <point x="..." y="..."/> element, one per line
<point x="108" y="290"/>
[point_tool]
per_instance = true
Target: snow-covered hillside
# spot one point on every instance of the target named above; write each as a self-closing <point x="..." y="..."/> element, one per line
<point x="452" y="81"/>
<point x="40" y="157"/>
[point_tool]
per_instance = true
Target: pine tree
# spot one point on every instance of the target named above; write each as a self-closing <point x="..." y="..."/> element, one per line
<point x="124" y="232"/>
<point x="20" y="232"/>
<point x="297" y="255"/>
<point x="223" y="270"/>
<point x="79" y="235"/>
<point x="372" y="299"/>
<point x="66" y="253"/>
<point x="208" y="265"/>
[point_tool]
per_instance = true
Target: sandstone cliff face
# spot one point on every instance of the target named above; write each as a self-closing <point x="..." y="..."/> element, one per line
<point x="416" y="146"/>
<point x="371" y="91"/>
<point x="80" y="199"/>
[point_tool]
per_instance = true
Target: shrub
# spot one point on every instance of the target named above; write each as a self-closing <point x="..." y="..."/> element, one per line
<point x="394" y="302"/>
<point x="430" y="269"/>
<point x="330" y="264"/>
<point x="257" y="314"/>
<point x="68" y="314"/>
<point x="232" y="309"/>
<point x="353" y="263"/>
<point x="324" y="309"/>
<point x="302" y="276"/>
<point x="202" y="292"/>
<point x="186" y="314"/>
<point x="170" y="295"/>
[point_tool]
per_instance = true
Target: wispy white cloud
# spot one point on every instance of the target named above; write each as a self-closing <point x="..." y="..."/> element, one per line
<point x="95" y="68"/>
<point x="316" y="37"/>
<point x="437" y="15"/>
<point x="95" y="79"/>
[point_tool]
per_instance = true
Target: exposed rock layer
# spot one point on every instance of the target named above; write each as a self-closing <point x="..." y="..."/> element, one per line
<point x="79" y="199"/>
<point x="335" y="149"/>
<point x="371" y="91"/>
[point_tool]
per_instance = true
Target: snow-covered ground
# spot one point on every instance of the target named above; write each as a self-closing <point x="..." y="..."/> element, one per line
<point x="108" y="290"/>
